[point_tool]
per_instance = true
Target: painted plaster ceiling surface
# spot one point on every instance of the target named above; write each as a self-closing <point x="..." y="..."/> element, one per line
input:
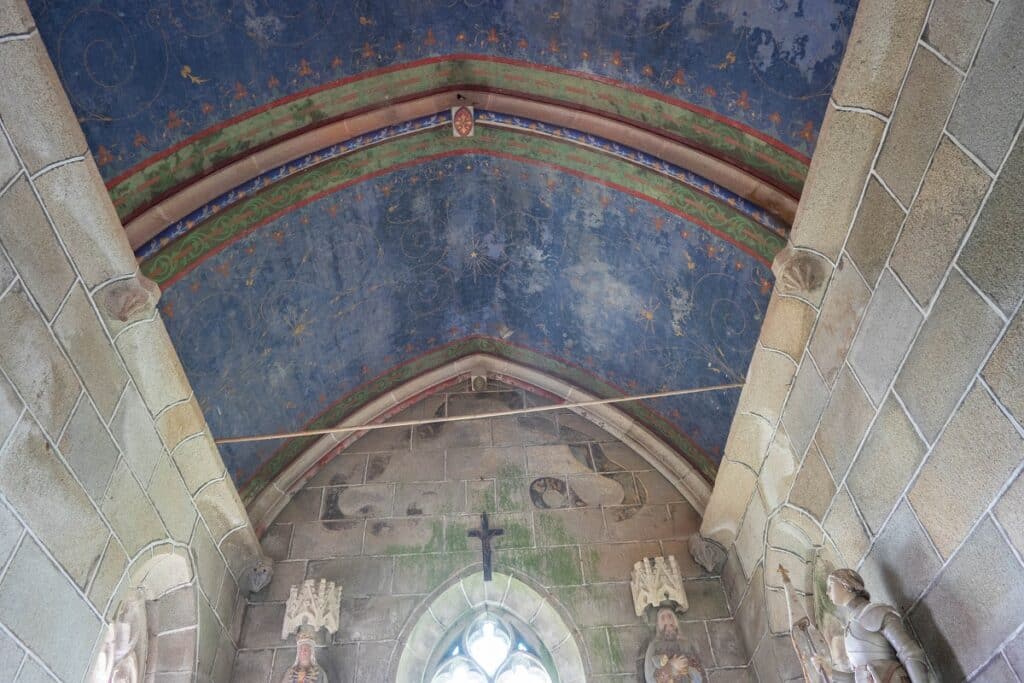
<point x="320" y="235"/>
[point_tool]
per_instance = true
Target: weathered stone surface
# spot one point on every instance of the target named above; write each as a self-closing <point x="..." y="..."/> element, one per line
<point x="800" y="273"/>
<point x="748" y="440"/>
<point x="996" y="671"/>
<point x="405" y="466"/>
<point x="988" y="111"/>
<point x="319" y="540"/>
<point x="787" y="326"/>
<point x="10" y="408"/>
<point x="937" y="373"/>
<point x="841" y="311"/>
<point x="1004" y="371"/>
<point x="1010" y="513"/>
<point x="31" y="358"/>
<point x="844" y="423"/>
<point x="921" y="113"/>
<point x="846" y="148"/>
<point x="27" y="236"/>
<point x="430" y="498"/>
<point x="262" y="626"/>
<point x="365" y="500"/>
<point x="365" y="575"/>
<point x="7" y="273"/>
<point x="254" y="665"/>
<point x="40" y="118"/>
<point x="750" y="541"/>
<point x="902" y="561"/>
<point x="962" y="620"/>
<point x="344" y="468"/>
<point x="8" y="163"/>
<point x="881" y="43"/>
<point x="36" y="602"/>
<point x="87" y="447"/>
<point x="377" y="618"/>
<point x="172" y="500"/>
<point x="723" y="513"/>
<point x="403" y="535"/>
<point x="955" y="27"/>
<point x="726" y="644"/>
<point x="179" y="422"/>
<point x="305" y="506"/>
<point x="768" y="380"/>
<point x="614" y="561"/>
<point x="878" y="221"/>
<point x="813" y="488"/>
<point x="129" y="511"/>
<point x="1015" y="654"/>
<point x="111" y="568"/>
<point x="219" y="505"/>
<point x="994" y="254"/>
<point x="153" y="364"/>
<point x="10" y="534"/>
<point x="591" y="605"/>
<point x="86" y="343"/>
<point x="10" y="657"/>
<point x="970" y="463"/>
<point x="779" y="471"/>
<point x="953" y="189"/>
<point x="889" y="325"/>
<point x="198" y="461"/>
<point x="843" y="525"/>
<point x="804" y="407"/>
<point x="751" y="616"/>
<point x="889" y="457"/>
<point x="45" y="494"/>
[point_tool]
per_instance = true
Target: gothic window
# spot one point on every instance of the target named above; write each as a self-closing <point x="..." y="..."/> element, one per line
<point x="490" y="650"/>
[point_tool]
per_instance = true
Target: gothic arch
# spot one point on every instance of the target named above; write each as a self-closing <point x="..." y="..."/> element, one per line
<point x="462" y="598"/>
<point x="273" y="497"/>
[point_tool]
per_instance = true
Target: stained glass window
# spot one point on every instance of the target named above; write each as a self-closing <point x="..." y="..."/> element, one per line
<point x="490" y="651"/>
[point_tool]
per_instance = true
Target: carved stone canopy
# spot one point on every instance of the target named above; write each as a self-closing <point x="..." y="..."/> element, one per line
<point x="655" y="581"/>
<point x="312" y="606"/>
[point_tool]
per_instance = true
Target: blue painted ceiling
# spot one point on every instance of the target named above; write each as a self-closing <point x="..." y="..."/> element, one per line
<point x="281" y="323"/>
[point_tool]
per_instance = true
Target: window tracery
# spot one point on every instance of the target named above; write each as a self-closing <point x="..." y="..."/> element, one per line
<point x="490" y="650"/>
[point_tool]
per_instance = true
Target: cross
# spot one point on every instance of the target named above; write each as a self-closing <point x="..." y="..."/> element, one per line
<point x="484" y="533"/>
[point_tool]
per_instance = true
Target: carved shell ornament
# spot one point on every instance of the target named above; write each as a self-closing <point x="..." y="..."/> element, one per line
<point x="797" y="272"/>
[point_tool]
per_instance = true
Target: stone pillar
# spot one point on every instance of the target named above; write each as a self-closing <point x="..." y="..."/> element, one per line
<point x="105" y="458"/>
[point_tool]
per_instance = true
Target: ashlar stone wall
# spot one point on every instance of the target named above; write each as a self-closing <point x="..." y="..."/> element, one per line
<point x="106" y="464"/>
<point x="884" y="402"/>
<point x="387" y="519"/>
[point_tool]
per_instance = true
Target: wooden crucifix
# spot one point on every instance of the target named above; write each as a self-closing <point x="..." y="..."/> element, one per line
<point x="484" y="533"/>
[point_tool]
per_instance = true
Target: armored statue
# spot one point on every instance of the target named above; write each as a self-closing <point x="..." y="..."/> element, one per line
<point x="305" y="669"/>
<point x="878" y="646"/>
<point x="670" y="658"/>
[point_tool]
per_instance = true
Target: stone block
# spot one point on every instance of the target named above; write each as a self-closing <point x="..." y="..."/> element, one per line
<point x="902" y="562"/>
<point x="34" y="363"/>
<point x="485" y="462"/>
<point x="973" y="606"/>
<point x="78" y="203"/>
<point x="921" y="113"/>
<point x="614" y="561"/>
<point x="9" y="166"/>
<point x="365" y="500"/>
<point x="153" y="363"/>
<point x="966" y="469"/>
<point x="344" y="468"/>
<point x="31" y="243"/>
<point x="382" y="440"/>
<point x="276" y="540"/>
<point x="87" y="447"/>
<point x="749" y="437"/>
<point x="768" y="380"/>
<point x="993" y="256"/>
<point x="50" y="501"/>
<point x="874" y="231"/>
<point x="39" y="117"/>
<point x="10" y="408"/>
<point x="598" y="604"/>
<point x="407" y="466"/>
<point x="787" y="326"/>
<point x="209" y="635"/>
<point x="1014" y="652"/>
<point x="179" y="422"/>
<point x="751" y="616"/>
<point x="363" y="576"/>
<point x="199" y="461"/>
<point x="750" y="541"/>
<point x="726" y="644"/>
<point x="738" y="675"/>
<point x="220" y="507"/>
<point x="7" y="273"/>
<point x="33" y="672"/>
<point x="108" y="575"/>
<point x="130" y="512"/>
<point x="846" y="147"/>
<point x="548" y="566"/>
<point x="254" y="665"/>
<point x="724" y="510"/>
<point x="377" y="618"/>
<point x="844" y="527"/>
<point x="10" y="534"/>
<point x="779" y="471"/>
<point x="566" y="527"/>
<point x="889" y="457"/>
<point x="133" y="430"/>
<point x="37" y="602"/>
<point x="880" y="46"/>
<point x="646" y="523"/>
<point x="431" y="498"/>
<point x="470" y="434"/>
<point x="305" y="506"/>
<point x="955" y="27"/>
<point x="177" y="609"/>
<point x="937" y="373"/>
<point x="988" y="111"/>
<point x="996" y="671"/>
<point x="262" y="625"/>
<point x="172" y="500"/>
<point x="844" y="423"/>
<point x="953" y="189"/>
<point x="1004" y="371"/>
<point x="841" y="311"/>
<point x="805" y="406"/>
<point x="372" y="663"/>
<point x="1010" y="513"/>
<point x="399" y="536"/>
<point x="814" y="487"/>
<point x="319" y="540"/>
<point x="91" y="352"/>
<point x="889" y="325"/>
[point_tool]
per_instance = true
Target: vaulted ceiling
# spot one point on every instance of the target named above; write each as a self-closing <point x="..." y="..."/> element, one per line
<point x="286" y="170"/>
